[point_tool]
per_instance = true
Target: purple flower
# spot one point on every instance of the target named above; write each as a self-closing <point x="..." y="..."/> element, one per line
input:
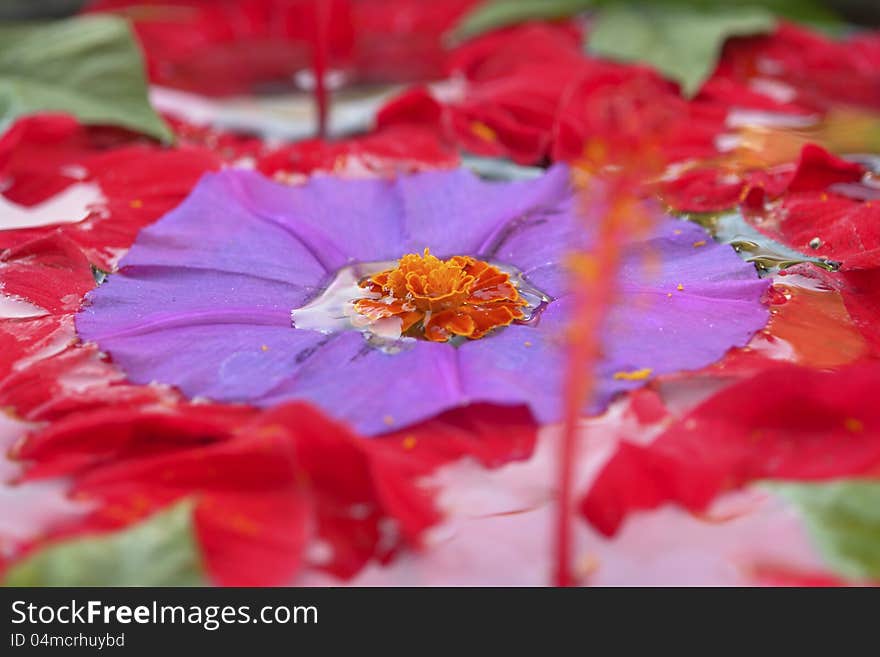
<point x="203" y="300"/>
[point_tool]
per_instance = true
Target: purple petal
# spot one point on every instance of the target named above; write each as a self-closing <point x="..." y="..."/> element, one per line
<point x="339" y="221"/>
<point x="450" y="212"/>
<point x="230" y="358"/>
<point x="538" y="243"/>
<point x="717" y="308"/>
<point x="519" y="365"/>
<point x="456" y="213"/>
<point x="374" y="391"/>
<point x="213" y="230"/>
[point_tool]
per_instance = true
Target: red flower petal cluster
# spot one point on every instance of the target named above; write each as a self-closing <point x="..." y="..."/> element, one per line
<point x="530" y="93"/>
<point x="387" y="152"/>
<point x="796" y="70"/>
<point x="226" y="47"/>
<point x="821" y="205"/>
<point x="266" y="485"/>
<point x="137" y="181"/>
<point x="785" y="422"/>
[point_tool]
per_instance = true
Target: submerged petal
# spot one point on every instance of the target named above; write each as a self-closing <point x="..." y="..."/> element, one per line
<point x="372" y="390"/>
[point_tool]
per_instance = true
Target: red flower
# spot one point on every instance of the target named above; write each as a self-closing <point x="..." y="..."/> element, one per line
<point x="514" y="82"/>
<point x="797" y="70"/>
<point x="721" y="188"/>
<point x="491" y="435"/>
<point x="770" y="574"/>
<point x="402" y="40"/>
<point x="386" y="152"/>
<point x="529" y="93"/>
<point x="221" y="47"/>
<point x="824" y="210"/>
<point x="619" y="113"/>
<point x="44" y="372"/>
<point x="274" y="490"/>
<point x="842" y="228"/>
<point x="860" y="292"/>
<point x="787" y="422"/>
<point x="264" y="484"/>
<point x="52" y="274"/>
<point x="231" y="147"/>
<point x="137" y="182"/>
<point x="225" y="47"/>
<point x="818" y="205"/>
<point x="40" y="154"/>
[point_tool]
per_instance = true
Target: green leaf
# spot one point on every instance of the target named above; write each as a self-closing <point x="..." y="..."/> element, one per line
<point x="88" y="66"/>
<point x="500" y="13"/>
<point x="493" y="14"/>
<point x="843" y="518"/>
<point x="683" y="43"/>
<point x="160" y="551"/>
<point x="812" y="12"/>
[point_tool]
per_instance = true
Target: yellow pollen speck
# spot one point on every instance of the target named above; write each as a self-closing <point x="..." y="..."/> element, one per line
<point x="824" y="197"/>
<point x="700" y="243"/>
<point x="527" y="343"/>
<point x="265" y="347"/>
<point x="635" y="375"/>
<point x="677" y="231"/>
<point x="853" y="425"/>
<point x="409" y="442"/>
<point x="137" y="203"/>
<point x="388" y="419"/>
<point x="586" y="565"/>
<point x="271" y="431"/>
<point x="483" y="131"/>
<point x="679" y="287"/>
<point x="669" y="294"/>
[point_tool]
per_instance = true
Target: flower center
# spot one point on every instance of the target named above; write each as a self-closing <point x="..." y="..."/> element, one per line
<point x="439" y="299"/>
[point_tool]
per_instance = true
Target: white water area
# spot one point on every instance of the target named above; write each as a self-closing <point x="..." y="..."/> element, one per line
<point x="68" y="207"/>
<point x="16" y="308"/>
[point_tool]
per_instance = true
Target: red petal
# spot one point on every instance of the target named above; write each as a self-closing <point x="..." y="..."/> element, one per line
<point x="140" y="182"/>
<point x="266" y="484"/>
<point x="785" y="423"/>
<point x="818" y="169"/>
<point x="386" y="152"/>
<point x="50" y="272"/>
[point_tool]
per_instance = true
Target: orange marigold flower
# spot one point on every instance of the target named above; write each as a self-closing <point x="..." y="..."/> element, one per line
<point x="439" y="299"/>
